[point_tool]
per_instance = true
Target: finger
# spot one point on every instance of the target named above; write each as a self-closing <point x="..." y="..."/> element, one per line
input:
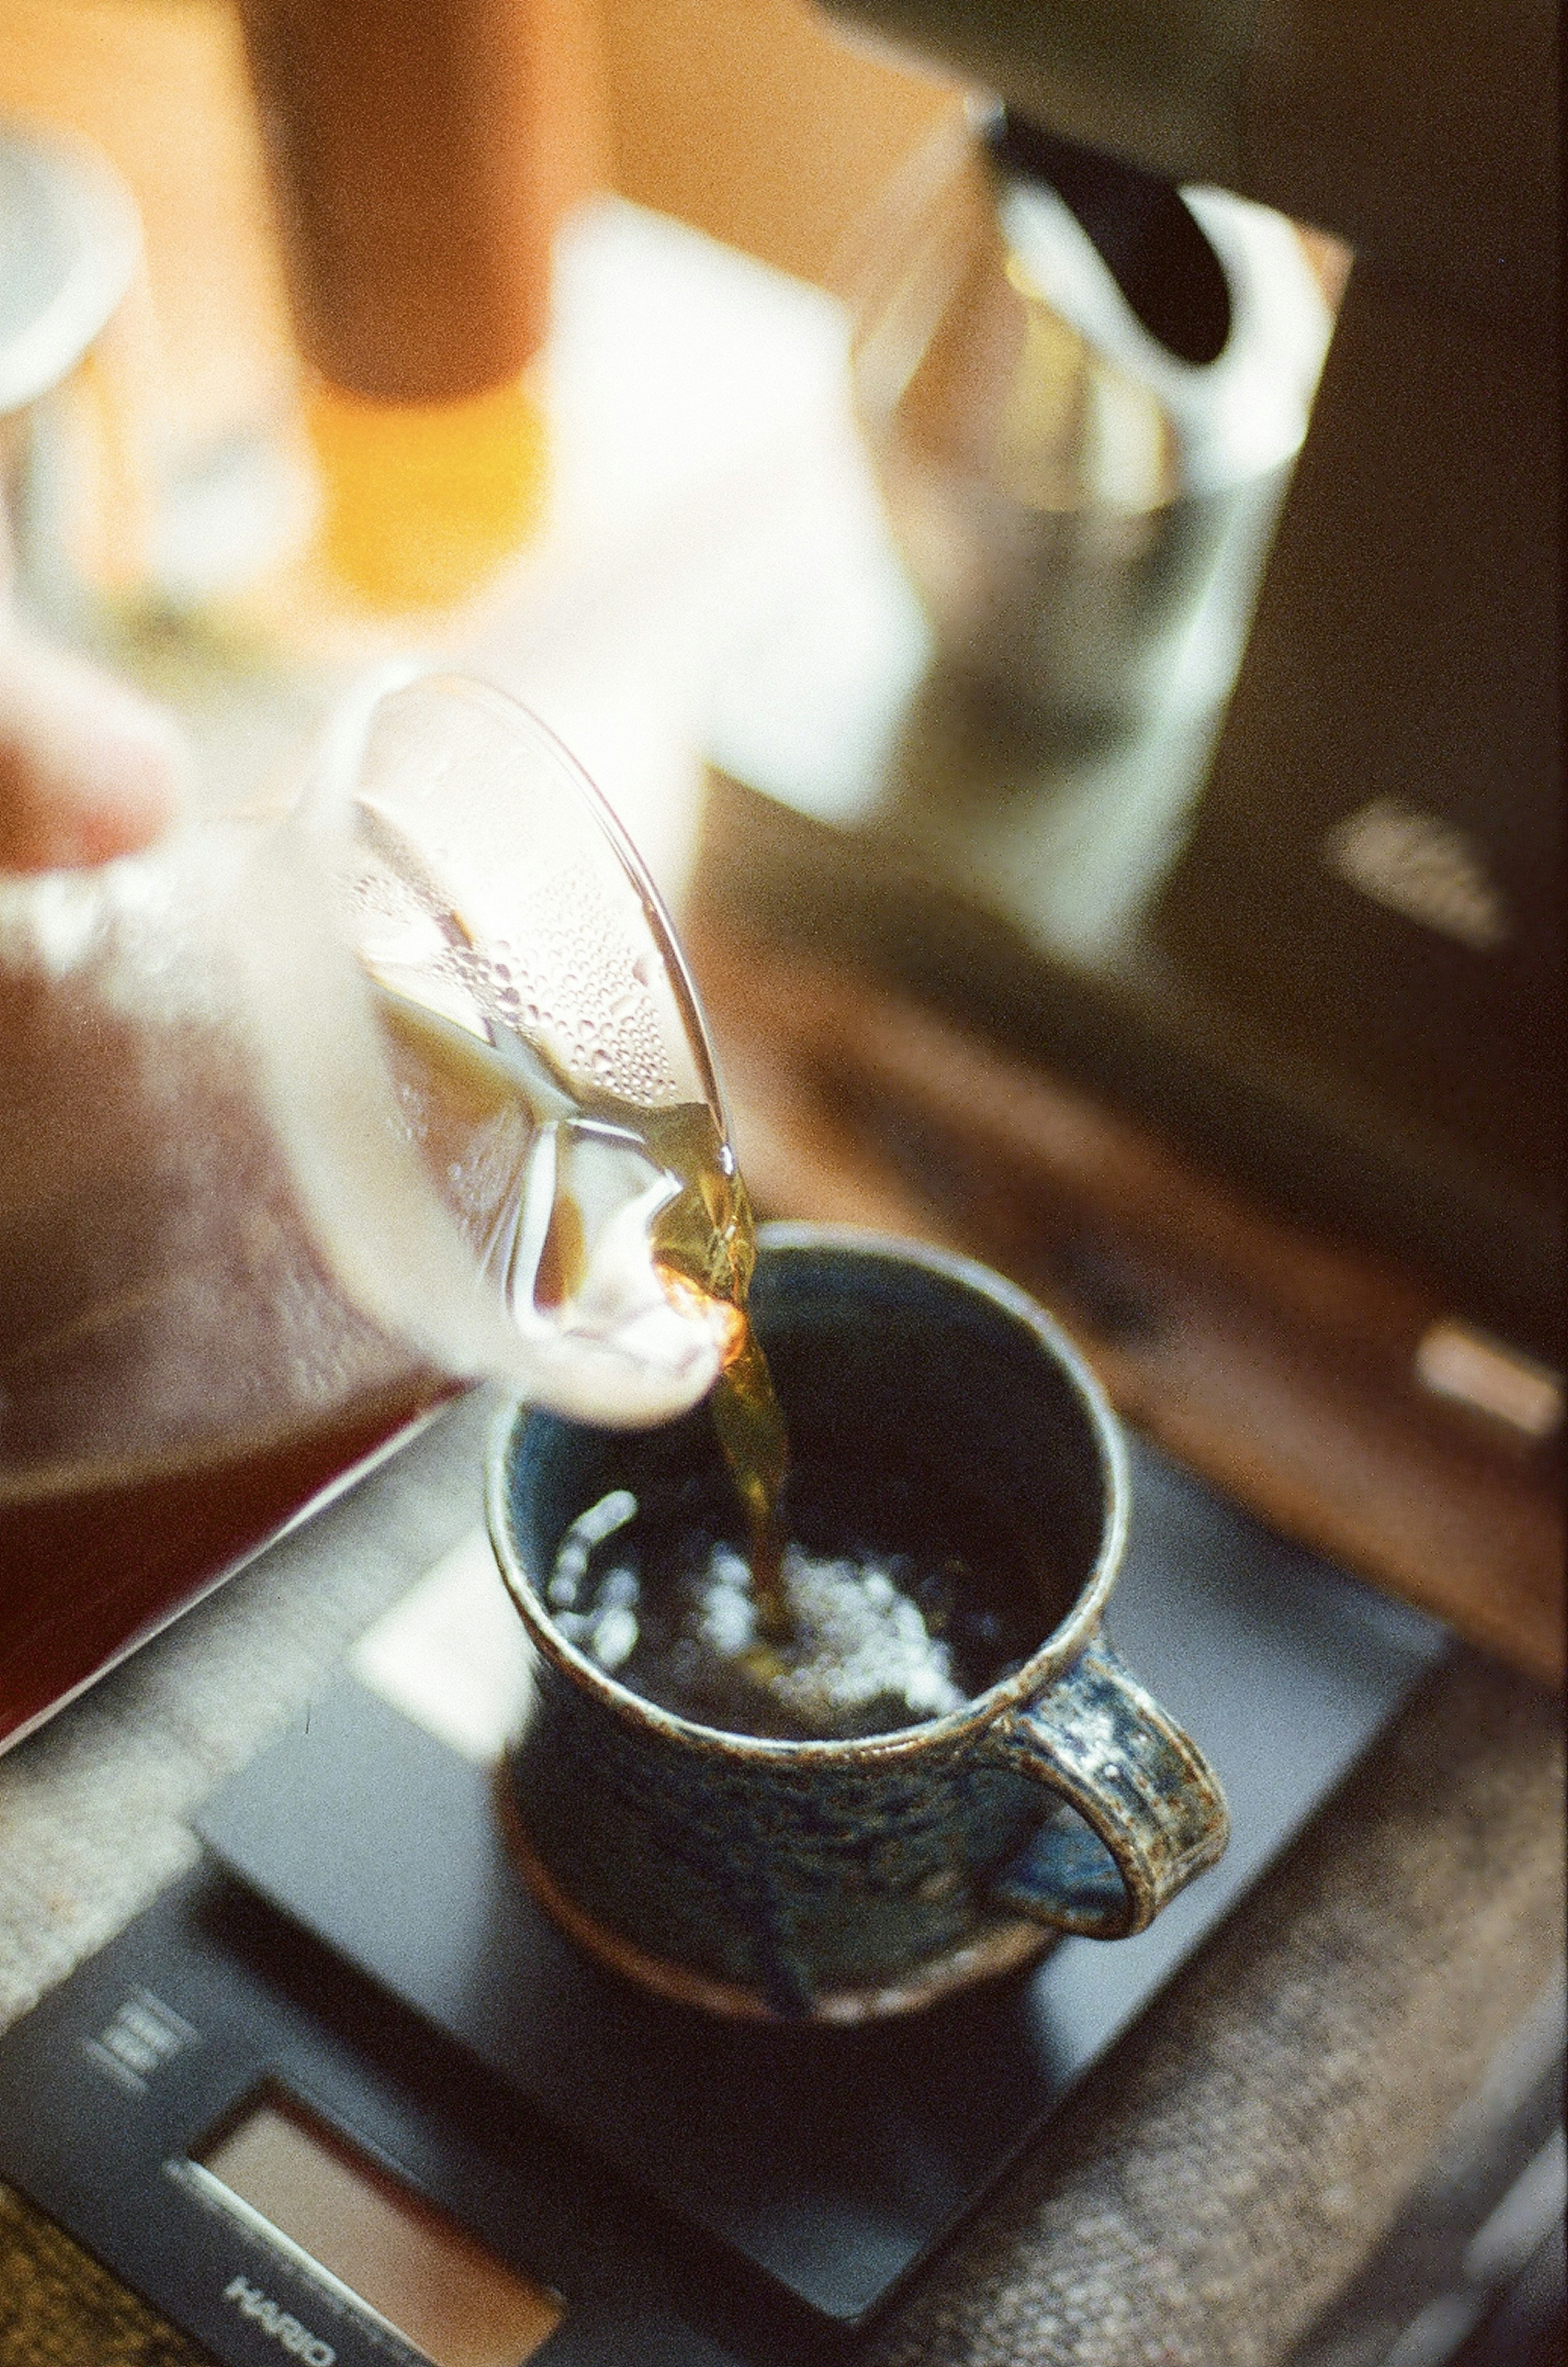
<point x="89" y="769"/>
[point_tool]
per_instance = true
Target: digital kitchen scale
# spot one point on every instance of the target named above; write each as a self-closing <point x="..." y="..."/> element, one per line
<point x="345" y="2095"/>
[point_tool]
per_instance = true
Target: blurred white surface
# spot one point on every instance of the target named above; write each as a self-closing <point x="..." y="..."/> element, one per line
<point x="710" y="503"/>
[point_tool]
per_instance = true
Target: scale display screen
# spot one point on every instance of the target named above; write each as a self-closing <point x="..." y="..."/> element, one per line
<point x="398" y="2255"/>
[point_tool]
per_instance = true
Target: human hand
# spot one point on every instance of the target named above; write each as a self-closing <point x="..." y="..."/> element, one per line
<point x="89" y="769"/>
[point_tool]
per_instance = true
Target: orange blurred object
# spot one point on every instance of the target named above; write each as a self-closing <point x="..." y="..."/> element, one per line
<point x="424" y="503"/>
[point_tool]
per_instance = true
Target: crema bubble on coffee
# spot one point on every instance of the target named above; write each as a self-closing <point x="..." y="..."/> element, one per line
<point x="894" y="1617"/>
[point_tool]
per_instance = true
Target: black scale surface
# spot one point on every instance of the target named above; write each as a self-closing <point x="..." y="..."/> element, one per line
<point x="830" y="2161"/>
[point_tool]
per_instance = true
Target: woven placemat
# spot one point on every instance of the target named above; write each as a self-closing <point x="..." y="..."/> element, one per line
<point x="1223" y="2177"/>
<point x="1195" y="2205"/>
<point x="59" y="2308"/>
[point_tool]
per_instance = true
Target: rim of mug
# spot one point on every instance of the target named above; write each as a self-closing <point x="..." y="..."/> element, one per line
<point x="1046" y="1665"/>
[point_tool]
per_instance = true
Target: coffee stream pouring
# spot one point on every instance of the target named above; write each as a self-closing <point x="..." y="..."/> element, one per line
<point x="556" y="1097"/>
<point x="307" y="1123"/>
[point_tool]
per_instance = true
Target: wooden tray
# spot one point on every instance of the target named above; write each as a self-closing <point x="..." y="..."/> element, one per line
<point x="1329" y="1392"/>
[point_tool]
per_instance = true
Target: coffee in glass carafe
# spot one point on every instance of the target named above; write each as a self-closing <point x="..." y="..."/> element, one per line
<point x="307" y="1124"/>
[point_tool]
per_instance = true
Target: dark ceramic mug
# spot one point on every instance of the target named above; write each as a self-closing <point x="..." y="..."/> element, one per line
<point x="838" y="1880"/>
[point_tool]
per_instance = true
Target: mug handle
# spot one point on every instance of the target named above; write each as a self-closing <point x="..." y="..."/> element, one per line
<point x="1152" y="1808"/>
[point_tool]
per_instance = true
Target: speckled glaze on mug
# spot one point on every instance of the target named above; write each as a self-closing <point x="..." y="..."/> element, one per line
<point x="841" y="1880"/>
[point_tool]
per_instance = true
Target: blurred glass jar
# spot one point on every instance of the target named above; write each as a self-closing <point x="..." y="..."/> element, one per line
<point x="172" y="477"/>
<point x="1082" y="392"/>
<point x="70" y="251"/>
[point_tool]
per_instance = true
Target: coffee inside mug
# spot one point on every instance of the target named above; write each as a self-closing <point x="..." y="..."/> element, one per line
<point x="947" y="1504"/>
